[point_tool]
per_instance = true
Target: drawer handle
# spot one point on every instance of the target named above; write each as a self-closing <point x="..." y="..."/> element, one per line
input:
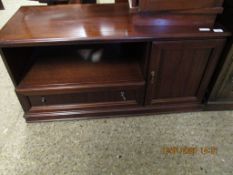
<point x="152" y="77"/>
<point x="43" y="99"/>
<point x="123" y="95"/>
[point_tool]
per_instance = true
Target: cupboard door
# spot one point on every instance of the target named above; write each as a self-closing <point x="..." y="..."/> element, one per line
<point x="179" y="71"/>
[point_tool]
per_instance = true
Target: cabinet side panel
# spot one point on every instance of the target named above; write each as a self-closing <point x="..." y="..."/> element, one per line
<point x="212" y="64"/>
<point x="17" y="62"/>
<point x="223" y="86"/>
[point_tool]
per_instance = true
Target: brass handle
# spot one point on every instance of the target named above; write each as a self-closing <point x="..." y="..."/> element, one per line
<point x="123" y="95"/>
<point x="43" y="99"/>
<point x="152" y="77"/>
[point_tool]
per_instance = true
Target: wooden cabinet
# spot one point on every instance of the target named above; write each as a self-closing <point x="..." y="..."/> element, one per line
<point x="179" y="71"/>
<point x="92" y="61"/>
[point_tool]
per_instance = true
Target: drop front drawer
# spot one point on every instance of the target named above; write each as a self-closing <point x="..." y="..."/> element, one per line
<point x="109" y="97"/>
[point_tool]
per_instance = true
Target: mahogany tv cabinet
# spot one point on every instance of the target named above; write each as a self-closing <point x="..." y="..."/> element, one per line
<point x="142" y="70"/>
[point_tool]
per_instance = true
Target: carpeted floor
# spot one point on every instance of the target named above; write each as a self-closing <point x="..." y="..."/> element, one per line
<point x="120" y="146"/>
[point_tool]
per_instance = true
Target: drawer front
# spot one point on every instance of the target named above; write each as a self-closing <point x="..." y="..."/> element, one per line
<point x="121" y="96"/>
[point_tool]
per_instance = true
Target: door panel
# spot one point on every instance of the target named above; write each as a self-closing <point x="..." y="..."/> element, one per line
<point x="182" y="76"/>
<point x="180" y="70"/>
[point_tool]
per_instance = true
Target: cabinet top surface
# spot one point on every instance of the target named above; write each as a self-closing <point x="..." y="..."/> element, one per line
<point x="42" y="25"/>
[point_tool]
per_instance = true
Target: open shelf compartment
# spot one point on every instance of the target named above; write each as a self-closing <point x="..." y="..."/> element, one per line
<point x="68" y="68"/>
